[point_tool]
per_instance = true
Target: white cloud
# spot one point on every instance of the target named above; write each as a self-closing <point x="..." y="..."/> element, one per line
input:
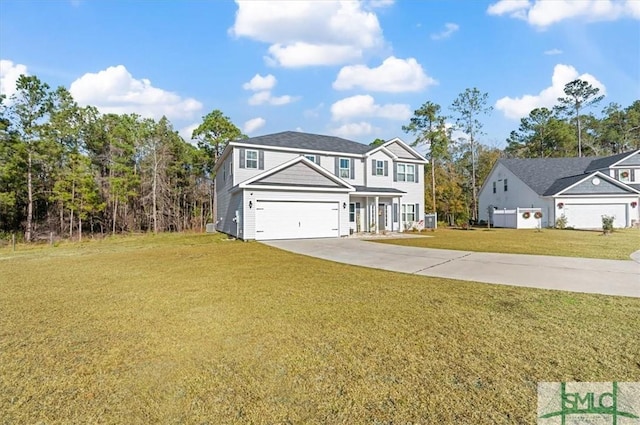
<point x="380" y="3"/>
<point x="393" y="75"/>
<point x="365" y="106"/>
<point x="262" y="86"/>
<point x="187" y="131"/>
<point x="449" y="28"/>
<point x="354" y="130"/>
<point x="9" y="73"/>
<point x="114" y="90"/>
<point x="258" y="82"/>
<point x="253" y="125"/>
<point x="553" y="52"/>
<point x="543" y="13"/>
<point x="516" y="108"/>
<point x="304" y="33"/>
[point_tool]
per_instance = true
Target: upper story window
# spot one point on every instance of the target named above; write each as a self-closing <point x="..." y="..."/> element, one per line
<point x="406" y="173"/>
<point x="506" y="185"/>
<point x="345" y="168"/>
<point x="624" y="175"/>
<point x="251" y="159"/>
<point x="379" y="168"/>
<point x="311" y="158"/>
<point x="494" y="187"/>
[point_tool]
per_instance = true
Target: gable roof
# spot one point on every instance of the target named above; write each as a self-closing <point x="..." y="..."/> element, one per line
<point x="339" y="183"/>
<point x="606" y="162"/>
<point x="540" y="174"/>
<point x="570" y="183"/>
<point x="307" y="141"/>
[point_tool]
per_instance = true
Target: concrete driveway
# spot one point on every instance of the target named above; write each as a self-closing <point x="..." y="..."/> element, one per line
<point x="609" y="277"/>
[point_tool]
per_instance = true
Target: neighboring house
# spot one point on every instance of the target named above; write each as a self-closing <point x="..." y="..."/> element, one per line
<point x="296" y="185"/>
<point x="580" y="189"/>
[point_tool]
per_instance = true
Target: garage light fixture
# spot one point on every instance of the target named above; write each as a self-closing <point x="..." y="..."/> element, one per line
<point x="250" y="204"/>
<point x="344" y="205"/>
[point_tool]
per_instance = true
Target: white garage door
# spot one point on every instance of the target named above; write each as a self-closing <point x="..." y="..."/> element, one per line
<point x="589" y="216"/>
<point x="295" y="220"/>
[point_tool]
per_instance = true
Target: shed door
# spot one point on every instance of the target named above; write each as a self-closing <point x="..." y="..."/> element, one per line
<point x="589" y="216"/>
<point x="296" y="220"/>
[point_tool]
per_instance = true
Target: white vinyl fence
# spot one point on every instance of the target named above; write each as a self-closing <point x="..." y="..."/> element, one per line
<point x="519" y="218"/>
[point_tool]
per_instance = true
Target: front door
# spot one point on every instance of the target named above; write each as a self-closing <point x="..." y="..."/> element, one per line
<point x="382" y="216"/>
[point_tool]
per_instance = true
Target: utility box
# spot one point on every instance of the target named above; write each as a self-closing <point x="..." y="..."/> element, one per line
<point x="211" y="228"/>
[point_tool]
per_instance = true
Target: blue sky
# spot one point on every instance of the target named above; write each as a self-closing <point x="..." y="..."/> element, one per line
<point x="352" y="69"/>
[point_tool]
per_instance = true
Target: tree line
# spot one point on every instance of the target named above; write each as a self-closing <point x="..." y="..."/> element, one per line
<point x="66" y="169"/>
<point x="458" y="166"/>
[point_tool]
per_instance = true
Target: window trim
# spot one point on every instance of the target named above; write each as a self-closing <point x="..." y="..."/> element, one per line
<point x="246" y="159"/>
<point x="344" y="173"/>
<point x="379" y="167"/>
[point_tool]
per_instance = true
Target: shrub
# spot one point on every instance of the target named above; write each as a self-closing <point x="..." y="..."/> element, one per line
<point x="607" y="223"/>
<point x="561" y="222"/>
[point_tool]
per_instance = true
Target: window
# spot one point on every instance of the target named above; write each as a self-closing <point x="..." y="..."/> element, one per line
<point x="251" y="159"/>
<point x="411" y="173"/>
<point x="624" y="175"/>
<point x="354" y="208"/>
<point x="311" y="158"/>
<point x="379" y="168"/>
<point x="345" y="168"/>
<point x="408" y="212"/>
<point x="506" y="185"/>
<point x="406" y="173"/>
<point x="401" y="173"/>
<point x="494" y="187"/>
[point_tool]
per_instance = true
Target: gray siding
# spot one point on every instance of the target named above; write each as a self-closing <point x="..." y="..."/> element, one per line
<point x="632" y="160"/>
<point x="587" y="187"/>
<point x="400" y="152"/>
<point x="298" y="174"/>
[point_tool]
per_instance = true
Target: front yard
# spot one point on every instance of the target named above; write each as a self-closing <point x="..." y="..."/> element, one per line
<point x="196" y="329"/>
<point x="566" y="243"/>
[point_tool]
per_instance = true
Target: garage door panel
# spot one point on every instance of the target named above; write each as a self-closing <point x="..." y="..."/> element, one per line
<point x="589" y="216"/>
<point x="294" y="220"/>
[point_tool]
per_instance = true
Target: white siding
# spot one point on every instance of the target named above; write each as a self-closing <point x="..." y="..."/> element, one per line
<point x="276" y="195"/>
<point x="415" y="192"/>
<point x="379" y="181"/>
<point x="518" y="195"/>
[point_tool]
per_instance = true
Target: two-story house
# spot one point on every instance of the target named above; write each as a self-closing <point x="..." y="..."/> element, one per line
<point x="297" y="185"/>
<point x="581" y="190"/>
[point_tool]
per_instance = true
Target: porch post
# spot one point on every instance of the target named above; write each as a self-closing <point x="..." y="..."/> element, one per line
<point x="400" y="227"/>
<point x="366" y="215"/>
<point x="377" y="215"/>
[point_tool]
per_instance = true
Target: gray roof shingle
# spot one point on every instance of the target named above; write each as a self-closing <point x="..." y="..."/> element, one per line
<point x="541" y="174"/>
<point x="307" y="141"/>
<point x="601" y="163"/>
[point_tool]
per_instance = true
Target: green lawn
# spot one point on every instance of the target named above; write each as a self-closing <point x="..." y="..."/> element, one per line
<point x="198" y="330"/>
<point x="566" y="243"/>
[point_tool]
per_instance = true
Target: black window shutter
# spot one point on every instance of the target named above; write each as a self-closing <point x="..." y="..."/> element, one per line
<point x="418" y="212"/>
<point x="352" y="163"/>
<point x="373" y="167"/>
<point x="260" y="160"/>
<point x="242" y="161"/>
<point x="337" y="166"/>
<point x="415" y="170"/>
<point x="395" y="172"/>
<point x="317" y="158"/>
<point x="386" y="168"/>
